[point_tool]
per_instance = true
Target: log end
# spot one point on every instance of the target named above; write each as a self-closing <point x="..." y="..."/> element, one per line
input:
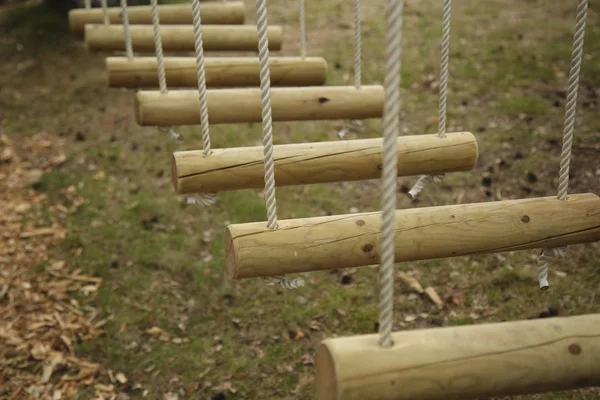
<point x="137" y="109"/>
<point x="231" y="258"/>
<point x="275" y="35"/>
<point x="73" y="25"/>
<point x="327" y="386"/>
<point x="175" y="174"/>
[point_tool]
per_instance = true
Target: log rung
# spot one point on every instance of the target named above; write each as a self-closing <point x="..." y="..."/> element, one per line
<point x="220" y="72"/>
<point x="353" y="240"/>
<point x="323" y="162"/>
<point x="465" y="362"/>
<point x="180" y="107"/>
<point x="99" y="37"/>
<point x="212" y="13"/>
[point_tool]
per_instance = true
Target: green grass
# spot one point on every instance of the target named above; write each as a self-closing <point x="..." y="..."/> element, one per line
<point x="163" y="262"/>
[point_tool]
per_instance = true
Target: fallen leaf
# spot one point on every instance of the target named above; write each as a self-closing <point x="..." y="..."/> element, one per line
<point x="410" y="282"/>
<point x="121" y="378"/>
<point x="433" y="296"/>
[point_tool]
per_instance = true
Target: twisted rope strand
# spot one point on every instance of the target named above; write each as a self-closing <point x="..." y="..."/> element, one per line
<point x="88" y="4"/>
<point x="125" y="17"/>
<point x="391" y="122"/>
<point x="569" y="127"/>
<point x="105" y="11"/>
<point x="357" y="45"/>
<point x="446" y="18"/>
<point x="162" y="79"/>
<point x="206" y="148"/>
<point x="265" y="94"/>
<point x="444" y="68"/>
<point x="571" y="106"/>
<point x="302" y="30"/>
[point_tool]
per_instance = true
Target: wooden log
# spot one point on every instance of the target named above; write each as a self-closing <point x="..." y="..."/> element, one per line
<point x="465" y="362"/>
<point x="142" y="72"/>
<point x="305" y="163"/>
<point x="180" y="37"/>
<point x="353" y="240"/>
<point x="218" y="13"/>
<point x="244" y="105"/>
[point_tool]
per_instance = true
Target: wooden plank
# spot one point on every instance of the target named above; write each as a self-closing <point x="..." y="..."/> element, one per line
<point x="220" y="72"/>
<point x="217" y="13"/>
<point x="306" y="163"/>
<point x="353" y="240"/>
<point x="180" y="38"/>
<point x="465" y="362"/>
<point x="244" y="105"/>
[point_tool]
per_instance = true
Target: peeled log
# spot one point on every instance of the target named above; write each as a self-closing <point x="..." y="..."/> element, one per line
<point x="306" y="163"/>
<point x="180" y="107"/>
<point x="353" y="240"/>
<point x="465" y="362"/>
<point x="217" y="13"/>
<point x="180" y="37"/>
<point x="142" y="72"/>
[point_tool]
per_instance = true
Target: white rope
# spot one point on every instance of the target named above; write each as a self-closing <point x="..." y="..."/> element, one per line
<point x="125" y="17"/>
<point x="265" y="95"/>
<point x="286" y="283"/>
<point x="302" y="30"/>
<point x="573" y="91"/>
<point x="105" y="11"/>
<point x="357" y="44"/>
<point x="391" y="123"/>
<point x="88" y="4"/>
<point x="569" y="126"/>
<point x="162" y="79"/>
<point x="446" y="18"/>
<point x="202" y="199"/>
<point x="544" y="258"/>
<point x="201" y="76"/>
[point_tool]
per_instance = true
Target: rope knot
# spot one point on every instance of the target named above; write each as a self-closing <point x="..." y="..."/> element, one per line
<point x="547" y="255"/>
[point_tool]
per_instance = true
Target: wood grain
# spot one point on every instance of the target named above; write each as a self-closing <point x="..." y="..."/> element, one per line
<point x="244" y="105"/>
<point x="465" y="362"/>
<point x="306" y="163"/>
<point x="221" y="72"/>
<point x="217" y="13"/>
<point x="180" y="38"/>
<point x="353" y="240"/>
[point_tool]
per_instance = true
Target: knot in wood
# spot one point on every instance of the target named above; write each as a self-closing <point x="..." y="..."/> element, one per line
<point x="360" y="222"/>
<point x="367" y="248"/>
<point x="575" y="349"/>
<point x="525" y="219"/>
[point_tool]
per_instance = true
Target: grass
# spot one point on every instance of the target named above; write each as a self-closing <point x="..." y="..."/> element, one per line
<point x="163" y="261"/>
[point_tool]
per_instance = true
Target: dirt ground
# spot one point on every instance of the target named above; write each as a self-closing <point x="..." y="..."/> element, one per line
<point x="112" y="287"/>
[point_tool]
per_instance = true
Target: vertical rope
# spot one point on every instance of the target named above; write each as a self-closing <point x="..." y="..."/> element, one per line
<point x="88" y="4"/>
<point x="446" y="18"/>
<point x="391" y="122"/>
<point x="357" y="44"/>
<point x="105" y="11"/>
<point x="265" y="94"/>
<point x="201" y="76"/>
<point x="302" y="30"/>
<point x="162" y="79"/>
<point x="444" y="68"/>
<point x="571" y="106"/>
<point x="125" y="18"/>
<point x="569" y="126"/>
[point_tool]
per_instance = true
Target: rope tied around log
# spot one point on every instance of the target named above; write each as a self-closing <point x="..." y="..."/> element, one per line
<point x="568" y="131"/>
<point x="126" y="30"/>
<point x="391" y="125"/>
<point x="267" y="120"/>
<point x="443" y="101"/>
